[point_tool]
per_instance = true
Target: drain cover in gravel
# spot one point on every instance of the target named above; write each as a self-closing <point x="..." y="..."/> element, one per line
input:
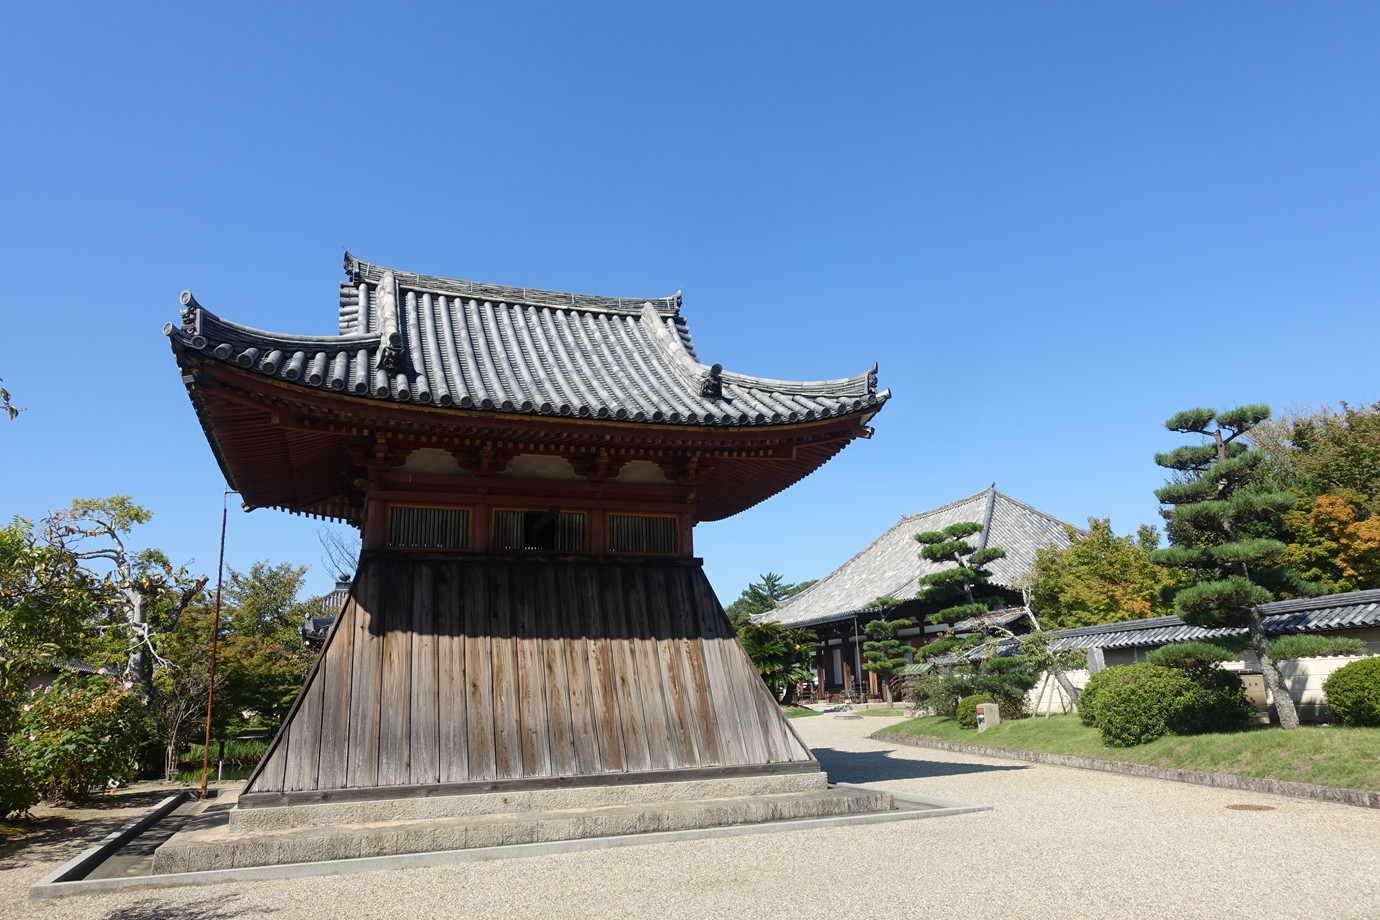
<point x="1252" y="807"/>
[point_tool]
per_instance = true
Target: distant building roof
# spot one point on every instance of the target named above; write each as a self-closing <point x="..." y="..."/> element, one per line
<point x="1331" y="612"/>
<point x="891" y="564"/>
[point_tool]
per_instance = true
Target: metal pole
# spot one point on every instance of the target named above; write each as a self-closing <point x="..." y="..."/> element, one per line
<point x="215" y="636"/>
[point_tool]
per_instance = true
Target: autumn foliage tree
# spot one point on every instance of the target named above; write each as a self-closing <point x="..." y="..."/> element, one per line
<point x="1098" y="578"/>
<point x="1218" y="498"/>
<point x="1335" y="542"/>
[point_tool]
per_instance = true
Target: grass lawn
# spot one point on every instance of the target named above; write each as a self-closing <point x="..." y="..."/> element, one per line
<point x="1330" y="756"/>
<point x="893" y="713"/>
<point x="799" y="712"/>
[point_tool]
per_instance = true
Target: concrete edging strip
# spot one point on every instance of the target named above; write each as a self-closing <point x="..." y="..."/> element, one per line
<point x="908" y="807"/>
<point x="92" y="857"/>
<point x="1360" y="797"/>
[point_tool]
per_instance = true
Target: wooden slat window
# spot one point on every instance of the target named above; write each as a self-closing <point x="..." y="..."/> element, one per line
<point x="553" y="531"/>
<point x="635" y="533"/>
<point x="429" y="528"/>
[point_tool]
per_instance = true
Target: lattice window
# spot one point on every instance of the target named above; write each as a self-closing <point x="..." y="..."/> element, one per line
<point x="635" y="533"/>
<point x="554" y="531"/>
<point x="430" y="528"/>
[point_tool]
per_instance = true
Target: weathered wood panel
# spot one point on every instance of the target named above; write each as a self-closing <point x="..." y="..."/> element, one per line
<point x="363" y="761"/>
<point x="444" y="672"/>
<point x="425" y="717"/>
<point x="395" y="694"/>
<point x="452" y="740"/>
<point x="478" y="677"/>
<point x="507" y="725"/>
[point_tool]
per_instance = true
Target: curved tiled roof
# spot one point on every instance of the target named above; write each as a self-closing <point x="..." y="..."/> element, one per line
<point x="433" y="341"/>
<point x="1353" y="610"/>
<point x="891" y="564"/>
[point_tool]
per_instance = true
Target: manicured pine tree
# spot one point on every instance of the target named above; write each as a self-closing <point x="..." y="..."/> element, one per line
<point x="884" y="653"/>
<point x="1216" y="506"/>
<point x="955" y="586"/>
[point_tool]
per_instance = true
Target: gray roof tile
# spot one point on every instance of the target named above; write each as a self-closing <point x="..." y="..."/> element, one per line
<point x="421" y="339"/>
<point x="891" y="564"/>
<point x="1354" y="610"/>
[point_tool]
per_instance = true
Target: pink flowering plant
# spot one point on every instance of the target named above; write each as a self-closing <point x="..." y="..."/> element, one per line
<point x="80" y="733"/>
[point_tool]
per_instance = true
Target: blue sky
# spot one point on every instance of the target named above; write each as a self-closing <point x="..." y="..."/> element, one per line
<point x="1052" y="224"/>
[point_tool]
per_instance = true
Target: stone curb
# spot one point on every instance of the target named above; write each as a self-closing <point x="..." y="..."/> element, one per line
<point x="908" y="806"/>
<point x="1360" y="797"/>
<point x="92" y="857"/>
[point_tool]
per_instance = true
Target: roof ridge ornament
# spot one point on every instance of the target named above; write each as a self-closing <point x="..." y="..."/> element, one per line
<point x="712" y="386"/>
<point x="390" y="355"/>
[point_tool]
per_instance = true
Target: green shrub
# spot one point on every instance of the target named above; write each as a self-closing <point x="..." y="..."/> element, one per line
<point x="1138" y="705"/>
<point x="1282" y="648"/>
<point x="17" y="796"/>
<point x="1353" y="693"/>
<point x="941" y="692"/>
<point x="1087" y="698"/>
<point x="1216" y="703"/>
<point x="83" y="731"/>
<point x="967" y="709"/>
<point x="1196" y="659"/>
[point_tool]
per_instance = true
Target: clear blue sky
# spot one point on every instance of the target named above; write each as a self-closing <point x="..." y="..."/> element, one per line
<point x="1053" y="224"/>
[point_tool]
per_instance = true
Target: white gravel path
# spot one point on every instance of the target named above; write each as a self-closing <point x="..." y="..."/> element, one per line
<point x="1061" y="843"/>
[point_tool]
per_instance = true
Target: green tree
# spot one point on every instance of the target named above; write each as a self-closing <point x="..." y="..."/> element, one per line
<point x="1322" y="451"/>
<point x="761" y="596"/>
<point x="6" y="406"/>
<point x="885" y="654"/>
<point x="1098" y="578"/>
<point x="141" y="584"/>
<point x="783" y="657"/>
<point x="953" y="588"/>
<point x="1335" y="542"/>
<point x="1219" y="495"/>
<point x="263" y="659"/>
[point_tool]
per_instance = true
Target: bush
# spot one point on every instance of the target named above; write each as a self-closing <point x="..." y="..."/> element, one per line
<point x="16" y="794"/>
<point x="940" y="692"/>
<point x="1217" y="703"/>
<point x="1353" y="693"/>
<point x="1283" y="648"/>
<point x="81" y="732"/>
<point x="1198" y="660"/>
<point x="967" y="709"/>
<point x="1087" y="698"/>
<point x="1138" y="705"/>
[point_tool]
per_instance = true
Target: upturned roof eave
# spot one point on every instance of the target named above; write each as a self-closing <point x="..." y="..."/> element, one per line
<point x="212" y="331"/>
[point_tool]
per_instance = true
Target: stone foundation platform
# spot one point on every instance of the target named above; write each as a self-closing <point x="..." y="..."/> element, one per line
<point x="268" y="836"/>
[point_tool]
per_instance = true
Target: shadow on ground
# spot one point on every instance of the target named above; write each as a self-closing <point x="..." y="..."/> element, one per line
<point x="206" y="909"/>
<point x="61" y="833"/>
<point x="876" y="766"/>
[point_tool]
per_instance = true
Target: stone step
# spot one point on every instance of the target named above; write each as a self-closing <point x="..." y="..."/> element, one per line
<point x="325" y="814"/>
<point x="201" y="848"/>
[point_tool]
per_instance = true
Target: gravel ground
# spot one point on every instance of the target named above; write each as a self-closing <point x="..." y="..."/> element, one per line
<point x="1061" y="843"/>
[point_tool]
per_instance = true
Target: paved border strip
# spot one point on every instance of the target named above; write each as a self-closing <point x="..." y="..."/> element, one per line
<point x="908" y="807"/>
<point x="92" y="857"/>
<point x="1360" y="797"/>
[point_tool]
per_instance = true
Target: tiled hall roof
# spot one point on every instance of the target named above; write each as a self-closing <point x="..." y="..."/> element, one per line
<point x="891" y="564"/>
<point x="418" y="339"/>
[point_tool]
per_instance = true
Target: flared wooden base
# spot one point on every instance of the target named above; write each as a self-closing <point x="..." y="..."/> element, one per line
<point x="448" y="675"/>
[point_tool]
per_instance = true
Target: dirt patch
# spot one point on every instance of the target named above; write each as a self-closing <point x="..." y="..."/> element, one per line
<point x="54" y="834"/>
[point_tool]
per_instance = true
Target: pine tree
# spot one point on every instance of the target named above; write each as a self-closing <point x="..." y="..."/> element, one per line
<point x="1217" y="507"/>
<point x="884" y="653"/>
<point x="955" y="586"/>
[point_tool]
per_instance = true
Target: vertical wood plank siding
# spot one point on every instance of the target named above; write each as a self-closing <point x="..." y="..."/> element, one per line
<point x="461" y="671"/>
<point x="429" y="528"/>
<point x="636" y="533"/>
